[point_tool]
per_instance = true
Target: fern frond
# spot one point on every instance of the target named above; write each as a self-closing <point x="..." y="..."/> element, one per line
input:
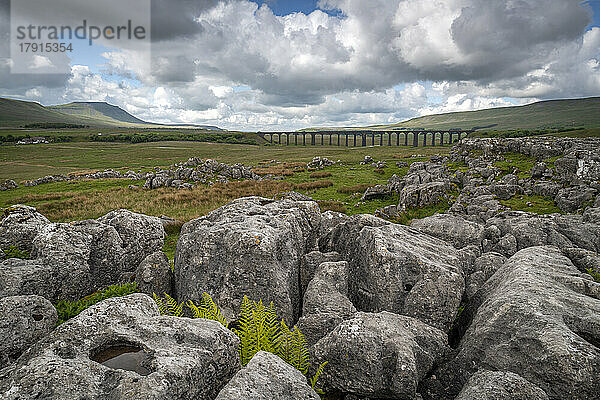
<point x="301" y="355"/>
<point x="284" y="350"/>
<point x="244" y="331"/>
<point x="162" y="307"/>
<point x="194" y="309"/>
<point x="273" y="331"/>
<point x="211" y="311"/>
<point x="314" y="379"/>
<point x="175" y="308"/>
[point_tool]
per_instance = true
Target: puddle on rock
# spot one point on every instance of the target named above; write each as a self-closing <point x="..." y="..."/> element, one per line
<point x="124" y="356"/>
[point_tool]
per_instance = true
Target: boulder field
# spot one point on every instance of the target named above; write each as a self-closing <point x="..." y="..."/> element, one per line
<point x="455" y="306"/>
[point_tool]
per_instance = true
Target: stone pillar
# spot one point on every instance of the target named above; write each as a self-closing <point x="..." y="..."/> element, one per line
<point x="312" y="139"/>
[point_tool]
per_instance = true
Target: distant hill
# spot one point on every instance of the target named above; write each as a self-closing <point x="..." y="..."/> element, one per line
<point x="97" y="110"/>
<point x="541" y="115"/>
<point x="17" y="113"/>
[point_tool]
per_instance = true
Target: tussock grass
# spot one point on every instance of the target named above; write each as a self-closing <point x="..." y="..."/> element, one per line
<point x="320" y="174"/>
<point x="332" y="205"/>
<point x="179" y="204"/>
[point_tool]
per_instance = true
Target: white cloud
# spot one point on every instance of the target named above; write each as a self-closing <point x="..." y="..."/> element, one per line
<point x="381" y="61"/>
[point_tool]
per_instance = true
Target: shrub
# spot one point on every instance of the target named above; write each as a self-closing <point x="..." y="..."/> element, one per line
<point x="68" y="309"/>
<point x="594" y="273"/>
<point x="15" y="252"/>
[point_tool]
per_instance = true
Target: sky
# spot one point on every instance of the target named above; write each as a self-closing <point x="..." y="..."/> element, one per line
<point x="286" y="65"/>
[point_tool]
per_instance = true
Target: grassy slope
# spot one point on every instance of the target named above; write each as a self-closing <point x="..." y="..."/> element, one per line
<point x="546" y="114"/>
<point x="541" y="115"/>
<point x="16" y="113"/>
<point x="101" y="111"/>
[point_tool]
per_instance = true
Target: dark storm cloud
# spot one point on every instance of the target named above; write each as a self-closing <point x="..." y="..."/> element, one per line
<point x="175" y="19"/>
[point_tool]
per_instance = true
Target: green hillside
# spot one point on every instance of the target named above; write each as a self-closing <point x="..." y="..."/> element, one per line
<point x="15" y="113"/>
<point x="542" y="115"/>
<point x="551" y="114"/>
<point x="19" y="113"/>
<point x="97" y="110"/>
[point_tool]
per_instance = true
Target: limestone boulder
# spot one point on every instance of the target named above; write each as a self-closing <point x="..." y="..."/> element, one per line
<point x="23" y="321"/>
<point x="154" y="275"/>
<point x="19" y="225"/>
<point x="538" y="317"/>
<point x="251" y="246"/>
<point x="452" y="229"/>
<point x="268" y="377"/>
<point x="141" y="234"/>
<point x="121" y="348"/>
<point x="400" y="269"/>
<point x="495" y="385"/>
<point x="381" y="355"/>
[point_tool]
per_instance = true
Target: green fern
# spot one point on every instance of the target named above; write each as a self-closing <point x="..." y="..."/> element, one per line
<point x="168" y="305"/>
<point x="258" y="328"/>
<point x="207" y="309"/>
<point x="315" y="378"/>
<point x="594" y="273"/>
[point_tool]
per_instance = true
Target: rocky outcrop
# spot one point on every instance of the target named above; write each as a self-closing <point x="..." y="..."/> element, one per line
<point x="381" y="355"/>
<point x="424" y="184"/>
<point x="268" y="377"/>
<point x="573" y="198"/>
<point x="494" y="385"/>
<point x="154" y="275"/>
<point x="23" y="321"/>
<point x="195" y="170"/>
<point x="106" y="174"/>
<point x="453" y="229"/>
<point x="310" y="263"/>
<point x="537" y="316"/>
<point x="19" y="226"/>
<point x="320" y="163"/>
<point x="251" y="246"/>
<point x="70" y="261"/>
<point x="569" y="176"/>
<point x="483" y="268"/>
<point x="509" y="232"/>
<point x="8" y="184"/>
<point x="121" y="348"/>
<point x="399" y="269"/>
<point x="326" y="302"/>
<point x="141" y="234"/>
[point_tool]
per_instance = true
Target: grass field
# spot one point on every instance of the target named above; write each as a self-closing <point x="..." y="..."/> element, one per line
<point x="66" y="201"/>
